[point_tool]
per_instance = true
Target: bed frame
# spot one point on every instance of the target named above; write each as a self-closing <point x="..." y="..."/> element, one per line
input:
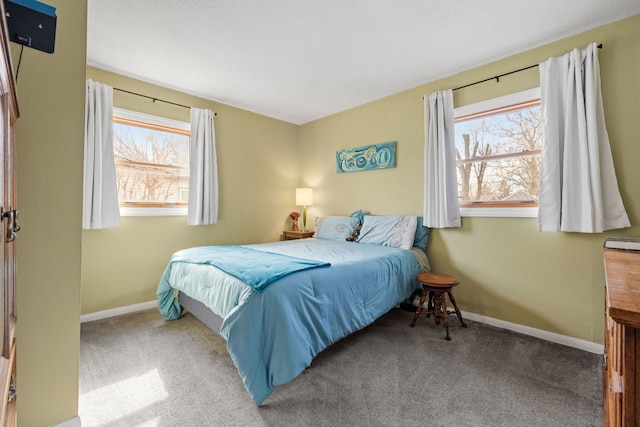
<point x="201" y="312"/>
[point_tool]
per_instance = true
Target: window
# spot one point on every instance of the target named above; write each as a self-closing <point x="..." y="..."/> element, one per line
<point x="498" y="155"/>
<point x="152" y="163"/>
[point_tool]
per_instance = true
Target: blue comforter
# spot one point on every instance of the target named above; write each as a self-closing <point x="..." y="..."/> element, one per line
<point x="274" y="335"/>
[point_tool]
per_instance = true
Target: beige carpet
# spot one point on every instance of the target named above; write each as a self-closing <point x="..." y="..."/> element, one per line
<point x="140" y="370"/>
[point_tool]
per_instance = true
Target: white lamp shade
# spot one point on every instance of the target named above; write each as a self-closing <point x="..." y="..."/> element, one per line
<point x="304" y="196"/>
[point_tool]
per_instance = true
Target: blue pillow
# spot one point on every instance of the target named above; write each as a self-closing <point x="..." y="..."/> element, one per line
<point x="335" y="227"/>
<point x="358" y="214"/>
<point x="422" y="235"/>
<point x="395" y="231"/>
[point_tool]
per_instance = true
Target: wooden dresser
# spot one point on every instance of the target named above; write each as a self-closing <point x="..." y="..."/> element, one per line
<point x="622" y="338"/>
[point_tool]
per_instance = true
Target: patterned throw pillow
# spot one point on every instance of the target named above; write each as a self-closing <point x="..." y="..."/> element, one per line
<point x="355" y="234"/>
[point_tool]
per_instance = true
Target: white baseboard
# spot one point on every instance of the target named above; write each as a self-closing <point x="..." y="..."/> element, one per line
<point x="526" y="330"/>
<point x="73" y="422"/>
<point x="118" y="311"/>
<point x="538" y="333"/>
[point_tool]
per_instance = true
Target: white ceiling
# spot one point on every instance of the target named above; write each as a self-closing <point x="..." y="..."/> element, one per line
<point x="300" y="60"/>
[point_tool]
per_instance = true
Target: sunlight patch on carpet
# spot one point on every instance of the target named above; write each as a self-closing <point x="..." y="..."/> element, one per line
<point x="124" y="398"/>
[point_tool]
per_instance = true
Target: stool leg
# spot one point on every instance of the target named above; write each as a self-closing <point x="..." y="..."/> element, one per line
<point x="423" y="296"/>
<point x="437" y="307"/>
<point x="455" y="306"/>
<point x="445" y="319"/>
<point x="430" y="303"/>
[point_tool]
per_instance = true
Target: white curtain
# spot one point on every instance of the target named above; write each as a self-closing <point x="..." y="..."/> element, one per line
<point x="203" y="179"/>
<point x="578" y="186"/>
<point x="441" y="207"/>
<point x="100" y="194"/>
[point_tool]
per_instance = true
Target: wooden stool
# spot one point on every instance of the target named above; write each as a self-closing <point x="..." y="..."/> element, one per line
<point x="436" y="285"/>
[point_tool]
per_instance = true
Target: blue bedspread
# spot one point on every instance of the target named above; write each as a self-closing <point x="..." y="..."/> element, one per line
<point x="274" y="335"/>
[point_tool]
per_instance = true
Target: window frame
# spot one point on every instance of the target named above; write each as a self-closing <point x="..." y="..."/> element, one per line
<point x="504" y="103"/>
<point x="156" y="123"/>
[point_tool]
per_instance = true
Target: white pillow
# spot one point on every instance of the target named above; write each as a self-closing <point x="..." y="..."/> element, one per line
<point x="395" y="231"/>
<point x="335" y="227"/>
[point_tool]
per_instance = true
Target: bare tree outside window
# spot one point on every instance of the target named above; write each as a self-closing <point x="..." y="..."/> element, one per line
<point x="152" y="165"/>
<point x="498" y="157"/>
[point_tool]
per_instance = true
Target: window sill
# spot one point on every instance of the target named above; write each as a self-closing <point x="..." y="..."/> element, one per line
<point x="177" y="211"/>
<point x="500" y="212"/>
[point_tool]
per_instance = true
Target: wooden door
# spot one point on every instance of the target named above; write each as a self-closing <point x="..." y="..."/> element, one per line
<point x="8" y="230"/>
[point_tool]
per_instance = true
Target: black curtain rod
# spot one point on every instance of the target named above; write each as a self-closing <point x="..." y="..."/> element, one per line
<point x="497" y="78"/>
<point x="155" y="99"/>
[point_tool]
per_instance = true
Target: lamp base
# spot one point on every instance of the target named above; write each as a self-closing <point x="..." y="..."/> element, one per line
<point x="304" y="218"/>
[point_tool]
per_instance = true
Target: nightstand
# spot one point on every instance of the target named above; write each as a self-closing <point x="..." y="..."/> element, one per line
<point x="290" y="235"/>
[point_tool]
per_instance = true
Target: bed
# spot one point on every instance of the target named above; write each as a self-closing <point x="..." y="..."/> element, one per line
<point x="315" y="292"/>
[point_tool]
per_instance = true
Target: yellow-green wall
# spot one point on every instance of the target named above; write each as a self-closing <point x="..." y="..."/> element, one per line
<point x="49" y="160"/>
<point x="258" y="170"/>
<point x="508" y="270"/>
